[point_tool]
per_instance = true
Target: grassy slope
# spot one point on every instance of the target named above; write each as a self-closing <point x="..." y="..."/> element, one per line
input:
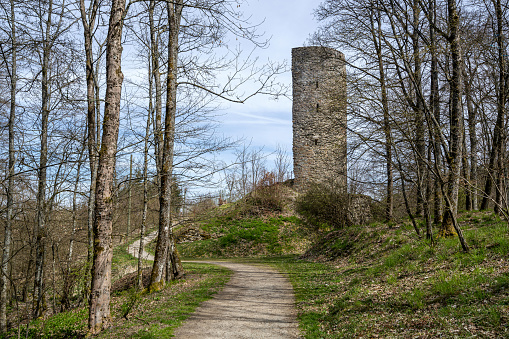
<point x="375" y="281"/>
<point x="252" y="236"/>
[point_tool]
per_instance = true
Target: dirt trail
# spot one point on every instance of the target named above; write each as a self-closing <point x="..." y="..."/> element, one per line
<point x="134" y="248"/>
<point x="257" y="302"/>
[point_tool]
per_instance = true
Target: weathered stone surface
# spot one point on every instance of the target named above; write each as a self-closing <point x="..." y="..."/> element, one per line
<point x="319" y="115"/>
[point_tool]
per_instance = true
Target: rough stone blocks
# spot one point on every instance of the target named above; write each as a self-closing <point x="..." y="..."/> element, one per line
<point x="319" y="116"/>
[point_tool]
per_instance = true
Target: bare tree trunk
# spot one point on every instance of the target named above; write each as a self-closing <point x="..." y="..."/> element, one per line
<point x="145" y="182"/>
<point x="156" y="74"/>
<point x="99" y="311"/>
<point x="129" y="202"/>
<point x="435" y="107"/>
<point x="65" y="300"/>
<point x="43" y="161"/>
<point x="427" y="210"/>
<point x="377" y="40"/>
<point x="10" y="176"/>
<point x="88" y="27"/>
<point x="501" y="101"/>
<point x="449" y="224"/>
<point x="473" y="146"/>
<point x="165" y="236"/>
<point x="407" y="205"/>
<point x="418" y="109"/>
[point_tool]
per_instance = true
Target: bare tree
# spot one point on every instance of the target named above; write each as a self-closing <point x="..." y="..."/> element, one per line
<point x="99" y="306"/>
<point x="6" y="253"/>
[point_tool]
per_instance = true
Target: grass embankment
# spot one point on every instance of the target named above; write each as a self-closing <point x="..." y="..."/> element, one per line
<point x="372" y="281"/>
<point x="156" y="315"/>
<point x="252" y="236"/>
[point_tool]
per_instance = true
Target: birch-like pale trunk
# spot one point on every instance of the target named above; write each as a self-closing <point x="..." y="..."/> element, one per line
<point x="99" y="311"/>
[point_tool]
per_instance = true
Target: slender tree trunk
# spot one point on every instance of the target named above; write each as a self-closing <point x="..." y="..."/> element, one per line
<point x="418" y="110"/>
<point x="501" y="101"/>
<point x="129" y="202"/>
<point x="407" y="205"/>
<point x="165" y="236"/>
<point x="449" y="224"/>
<point x="88" y="23"/>
<point x="435" y="107"/>
<point x="472" y="121"/>
<point x="43" y="161"/>
<point x="466" y="172"/>
<point x="377" y="39"/>
<point x="145" y="182"/>
<point x="10" y="176"/>
<point x="65" y="302"/>
<point x="427" y="199"/>
<point x="99" y="311"/>
<point x="156" y="74"/>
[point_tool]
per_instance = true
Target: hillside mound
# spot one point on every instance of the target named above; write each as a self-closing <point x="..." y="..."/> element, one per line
<point x="262" y="223"/>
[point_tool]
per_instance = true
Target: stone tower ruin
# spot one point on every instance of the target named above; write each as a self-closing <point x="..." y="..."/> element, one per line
<point x="319" y="116"/>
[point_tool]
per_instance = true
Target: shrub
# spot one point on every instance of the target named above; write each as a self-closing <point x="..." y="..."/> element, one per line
<point x="324" y="205"/>
<point x="266" y="197"/>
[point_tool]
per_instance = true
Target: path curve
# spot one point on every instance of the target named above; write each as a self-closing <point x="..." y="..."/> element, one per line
<point x="257" y="302"/>
<point x="134" y="248"/>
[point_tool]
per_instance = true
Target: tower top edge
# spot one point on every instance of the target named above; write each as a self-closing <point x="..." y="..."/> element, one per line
<point x="318" y="50"/>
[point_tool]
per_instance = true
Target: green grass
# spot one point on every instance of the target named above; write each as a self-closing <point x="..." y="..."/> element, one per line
<point x="247" y="237"/>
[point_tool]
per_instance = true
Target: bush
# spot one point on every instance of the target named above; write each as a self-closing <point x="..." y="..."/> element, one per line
<point x="266" y="197"/>
<point x="324" y="205"/>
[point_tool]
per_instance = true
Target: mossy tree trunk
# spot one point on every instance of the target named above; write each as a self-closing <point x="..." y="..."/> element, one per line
<point x="99" y="311"/>
<point x="165" y="239"/>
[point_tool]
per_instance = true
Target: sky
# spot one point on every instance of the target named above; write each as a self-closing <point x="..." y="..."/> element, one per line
<point x="261" y="121"/>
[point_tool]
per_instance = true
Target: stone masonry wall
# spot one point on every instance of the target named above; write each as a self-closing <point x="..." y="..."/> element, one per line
<point x="319" y="116"/>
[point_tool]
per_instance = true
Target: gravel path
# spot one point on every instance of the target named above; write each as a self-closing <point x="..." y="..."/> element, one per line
<point x="134" y="248"/>
<point x="257" y="302"/>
